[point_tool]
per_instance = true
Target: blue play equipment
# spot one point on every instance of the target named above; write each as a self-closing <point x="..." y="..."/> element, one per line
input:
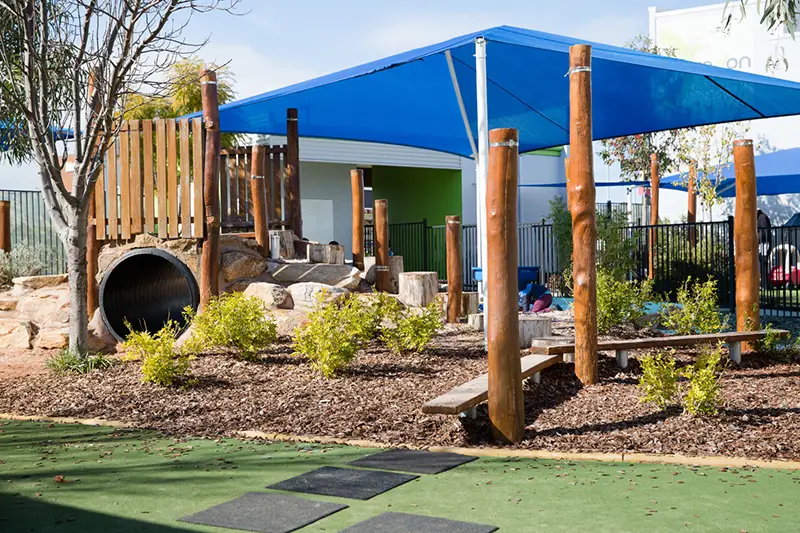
<point x="525" y="275"/>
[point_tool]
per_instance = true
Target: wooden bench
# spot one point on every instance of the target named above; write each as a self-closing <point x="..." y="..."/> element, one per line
<point x="565" y="346"/>
<point x="464" y="398"/>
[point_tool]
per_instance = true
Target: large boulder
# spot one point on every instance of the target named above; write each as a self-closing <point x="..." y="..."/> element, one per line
<point x="342" y="276"/>
<point x="31" y="283"/>
<point x="52" y="339"/>
<point x="274" y="296"/>
<point x="241" y="264"/>
<point x="46" y="307"/>
<point x="306" y="295"/>
<point x="288" y="320"/>
<point x="16" y="333"/>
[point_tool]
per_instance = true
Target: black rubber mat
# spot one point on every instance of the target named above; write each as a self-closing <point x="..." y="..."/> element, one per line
<point x="410" y="523"/>
<point x="344" y="482"/>
<point x="265" y="513"/>
<point x="417" y="461"/>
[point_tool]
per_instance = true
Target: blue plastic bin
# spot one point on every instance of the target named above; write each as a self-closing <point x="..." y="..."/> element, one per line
<point x="525" y="275"/>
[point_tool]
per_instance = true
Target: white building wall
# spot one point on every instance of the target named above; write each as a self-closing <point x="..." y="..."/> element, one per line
<point x="322" y="183"/>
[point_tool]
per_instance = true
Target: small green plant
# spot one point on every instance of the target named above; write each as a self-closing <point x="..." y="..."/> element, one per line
<point x="335" y="332"/>
<point x="413" y="330"/>
<point x="659" y="381"/>
<point x="70" y="362"/>
<point x="702" y="396"/>
<point x="620" y="302"/>
<point x="697" y="310"/>
<point x="233" y="321"/>
<point x="162" y="363"/>
<point x="771" y="341"/>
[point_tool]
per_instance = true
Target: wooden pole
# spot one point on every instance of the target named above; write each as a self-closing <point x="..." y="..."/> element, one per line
<point x="455" y="275"/>
<point x="382" y="280"/>
<point x="506" y="405"/>
<point x="92" y="244"/>
<point x="5" y="226"/>
<point x="582" y="206"/>
<point x="258" y="191"/>
<point x="292" y="181"/>
<point x="357" y="188"/>
<point x="210" y="258"/>
<point x="691" y="212"/>
<point x="651" y="270"/>
<point x="746" y="239"/>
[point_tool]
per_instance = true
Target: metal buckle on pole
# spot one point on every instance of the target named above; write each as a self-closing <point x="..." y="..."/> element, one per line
<point x="256" y="177"/>
<point x="208" y="83"/>
<point x="291" y="119"/>
<point x="509" y="144"/>
<point x="381" y="268"/>
<point x="573" y="70"/>
<point x="454" y="222"/>
<point x="745" y="142"/>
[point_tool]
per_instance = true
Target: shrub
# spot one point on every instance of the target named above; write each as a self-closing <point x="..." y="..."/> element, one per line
<point x="697" y="311"/>
<point x="703" y="394"/>
<point x="659" y="381"/>
<point x="68" y="361"/>
<point x="162" y="363"/>
<point x="620" y="302"/>
<point x="413" y="330"/>
<point x="615" y="249"/>
<point x="233" y="321"/>
<point x="21" y="261"/>
<point x="335" y="331"/>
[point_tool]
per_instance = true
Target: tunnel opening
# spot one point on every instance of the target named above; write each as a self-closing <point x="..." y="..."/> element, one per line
<point x="146" y="287"/>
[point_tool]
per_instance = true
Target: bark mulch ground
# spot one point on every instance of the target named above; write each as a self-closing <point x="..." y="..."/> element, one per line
<point x="380" y="398"/>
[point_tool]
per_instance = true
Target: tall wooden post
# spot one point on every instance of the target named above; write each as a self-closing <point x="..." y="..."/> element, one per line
<point x="292" y="179"/>
<point x="691" y="211"/>
<point x="210" y="259"/>
<point x="455" y="275"/>
<point x="5" y="226"/>
<point x="382" y="279"/>
<point x="654" y="183"/>
<point x="92" y="244"/>
<point x="357" y="191"/>
<point x="258" y="191"/>
<point x="746" y="239"/>
<point x="582" y="206"/>
<point x="506" y="405"/>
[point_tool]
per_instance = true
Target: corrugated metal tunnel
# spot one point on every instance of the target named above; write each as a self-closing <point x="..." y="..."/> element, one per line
<point x="146" y="287"/>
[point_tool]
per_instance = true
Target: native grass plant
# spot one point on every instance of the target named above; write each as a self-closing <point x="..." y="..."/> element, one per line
<point x="702" y="389"/>
<point x="620" y="302"/>
<point x="413" y="330"/>
<point x="235" y="322"/>
<point x="697" y="310"/>
<point x="163" y="363"/>
<point x="69" y="362"/>
<point x="21" y="261"/>
<point x="659" y="381"/>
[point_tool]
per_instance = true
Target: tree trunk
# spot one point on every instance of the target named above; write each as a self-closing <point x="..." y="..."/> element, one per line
<point x="78" y="283"/>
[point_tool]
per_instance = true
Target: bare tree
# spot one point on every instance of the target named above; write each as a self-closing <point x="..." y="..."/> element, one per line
<point x="50" y="49"/>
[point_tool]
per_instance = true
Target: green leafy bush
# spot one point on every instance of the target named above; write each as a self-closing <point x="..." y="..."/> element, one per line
<point x="21" y="261"/>
<point x="615" y="248"/>
<point x="620" y="302"/>
<point x="697" y="310"/>
<point x="70" y="362"/>
<point x="162" y="363"/>
<point x="413" y="330"/>
<point x="702" y="396"/>
<point x="659" y="381"/>
<point x="335" y="331"/>
<point x="233" y="321"/>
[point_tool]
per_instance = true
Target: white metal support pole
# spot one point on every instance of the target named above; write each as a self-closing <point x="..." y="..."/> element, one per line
<point x="630" y="206"/>
<point x="482" y="165"/>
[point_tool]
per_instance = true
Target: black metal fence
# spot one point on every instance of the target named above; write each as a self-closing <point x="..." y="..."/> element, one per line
<point x="779" y="267"/>
<point x="31" y="227"/>
<point x="622" y="207"/>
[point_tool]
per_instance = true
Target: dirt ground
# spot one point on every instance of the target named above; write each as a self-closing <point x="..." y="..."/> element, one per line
<point x="380" y="398"/>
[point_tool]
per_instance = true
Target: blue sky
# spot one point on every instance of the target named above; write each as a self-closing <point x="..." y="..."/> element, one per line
<point x="278" y="42"/>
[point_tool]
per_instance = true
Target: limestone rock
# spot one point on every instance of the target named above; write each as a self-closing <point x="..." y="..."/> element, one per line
<point x="52" y="339"/>
<point x="8" y="304"/>
<point x="237" y="265"/>
<point x="304" y="295"/>
<point x="395" y="269"/>
<point x="233" y="243"/>
<point x="274" y="296"/>
<point x="288" y="320"/>
<point x="343" y="276"/>
<point x="16" y="333"/>
<point x="39" y="282"/>
<point x="47" y="307"/>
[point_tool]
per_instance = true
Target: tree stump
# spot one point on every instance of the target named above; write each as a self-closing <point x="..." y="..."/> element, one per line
<point x="329" y="254"/>
<point x="395" y="269"/>
<point x="475" y="321"/>
<point x="281" y="243"/>
<point x="469" y="303"/>
<point x="532" y="327"/>
<point x="418" y="289"/>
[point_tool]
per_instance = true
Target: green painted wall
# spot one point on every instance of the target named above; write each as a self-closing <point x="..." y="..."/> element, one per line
<point x="417" y="193"/>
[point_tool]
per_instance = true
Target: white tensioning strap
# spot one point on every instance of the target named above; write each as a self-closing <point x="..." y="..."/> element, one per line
<point x="573" y="70"/>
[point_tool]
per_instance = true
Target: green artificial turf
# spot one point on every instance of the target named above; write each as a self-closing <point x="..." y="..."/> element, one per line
<point x="140" y="482"/>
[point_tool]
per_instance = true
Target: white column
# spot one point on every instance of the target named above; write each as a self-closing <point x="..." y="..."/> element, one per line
<point x="482" y="162"/>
